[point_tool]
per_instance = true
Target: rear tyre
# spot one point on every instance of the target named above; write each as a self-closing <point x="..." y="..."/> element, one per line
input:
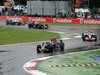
<point x="29" y="26"/>
<point x="18" y="24"/>
<point x="7" y="23"/>
<point x="46" y="26"/>
<point x="51" y="49"/>
<point x="42" y="27"/>
<point x="62" y="46"/>
<point x="38" y="48"/>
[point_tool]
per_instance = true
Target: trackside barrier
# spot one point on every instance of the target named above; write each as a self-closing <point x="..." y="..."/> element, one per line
<point x="54" y="20"/>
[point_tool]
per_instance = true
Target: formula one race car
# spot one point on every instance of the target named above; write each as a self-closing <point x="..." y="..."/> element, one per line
<point x="49" y="47"/>
<point x="14" y="21"/>
<point x="89" y="36"/>
<point x="38" y="26"/>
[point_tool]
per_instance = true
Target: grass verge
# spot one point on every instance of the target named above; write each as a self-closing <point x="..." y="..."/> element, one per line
<point x="13" y="36"/>
<point x="78" y="25"/>
<point x="71" y="58"/>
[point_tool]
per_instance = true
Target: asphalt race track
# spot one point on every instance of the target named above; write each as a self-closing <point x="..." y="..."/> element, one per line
<point x="13" y="57"/>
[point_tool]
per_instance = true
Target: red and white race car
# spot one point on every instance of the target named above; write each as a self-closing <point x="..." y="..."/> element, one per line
<point x="89" y="36"/>
<point x="49" y="47"/>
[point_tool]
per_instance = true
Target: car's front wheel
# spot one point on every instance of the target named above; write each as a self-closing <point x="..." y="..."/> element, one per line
<point x="95" y="38"/>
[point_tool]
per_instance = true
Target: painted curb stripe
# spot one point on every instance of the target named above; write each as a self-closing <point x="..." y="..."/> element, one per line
<point x="71" y="37"/>
<point x="30" y="66"/>
<point x="73" y="65"/>
<point x="79" y="36"/>
<point x="36" y="61"/>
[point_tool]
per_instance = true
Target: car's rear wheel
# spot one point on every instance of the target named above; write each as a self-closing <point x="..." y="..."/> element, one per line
<point x="38" y="48"/>
<point x="7" y="23"/>
<point x="51" y="49"/>
<point x="41" y="27"/>
<point x="62" y="46"/>
<point x="46" y="26"/>
<point x="29" y="26"/>
<point x="18" y="24"/>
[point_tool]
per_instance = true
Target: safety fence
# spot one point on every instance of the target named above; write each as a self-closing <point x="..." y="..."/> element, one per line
<point x="54" y="20"/>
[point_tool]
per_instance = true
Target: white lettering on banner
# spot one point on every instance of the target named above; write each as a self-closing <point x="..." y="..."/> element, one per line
<point x="30" y="19"/>
<point x="89" y="22"/>
<point x="62" y="20"/>
<point x="81" y="21"/>
<point x="54" y="20"/>
<point x="7" y="17"/>
<point x="37" y="19"/>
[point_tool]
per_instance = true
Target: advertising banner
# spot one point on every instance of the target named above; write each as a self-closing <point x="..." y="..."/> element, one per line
<point x="90" y="21"/>
<point x="54" y="20"/>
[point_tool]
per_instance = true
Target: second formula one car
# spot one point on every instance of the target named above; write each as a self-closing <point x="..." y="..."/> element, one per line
<point x="14" y="21"/>
<point x="89" y="36"/>
<point x="38" y="26"/>
<point x="49" y="47"/>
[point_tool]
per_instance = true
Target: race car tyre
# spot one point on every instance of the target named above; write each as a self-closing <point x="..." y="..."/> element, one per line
<point x="37" y="27"/>
<point x="23" y="23"/>
<point x="82" y="34"/>
<point x="42" y="27"/>
<point x="29" y="26"/>
<point x="46" y="26"/>
<point x="38" y="48"/>
<point x="83" y="37"/>
<point x="18" y="24"/>
<point x="95" y="38"/>
<point x="51" y="49"/>
<point x="7" y="23"/>
<point x="62" y="46"/>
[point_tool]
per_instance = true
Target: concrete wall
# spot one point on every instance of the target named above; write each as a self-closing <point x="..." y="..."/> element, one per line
<point x="47" y="7"/>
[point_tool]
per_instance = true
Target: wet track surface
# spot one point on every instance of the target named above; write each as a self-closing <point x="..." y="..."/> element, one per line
<point x="13" y="57"/>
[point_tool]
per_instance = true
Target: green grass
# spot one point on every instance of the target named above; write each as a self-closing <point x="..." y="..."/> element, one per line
<point x="78" y="25"/>
<point x="71" y="58"/>
<point x="13" y="36"/>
